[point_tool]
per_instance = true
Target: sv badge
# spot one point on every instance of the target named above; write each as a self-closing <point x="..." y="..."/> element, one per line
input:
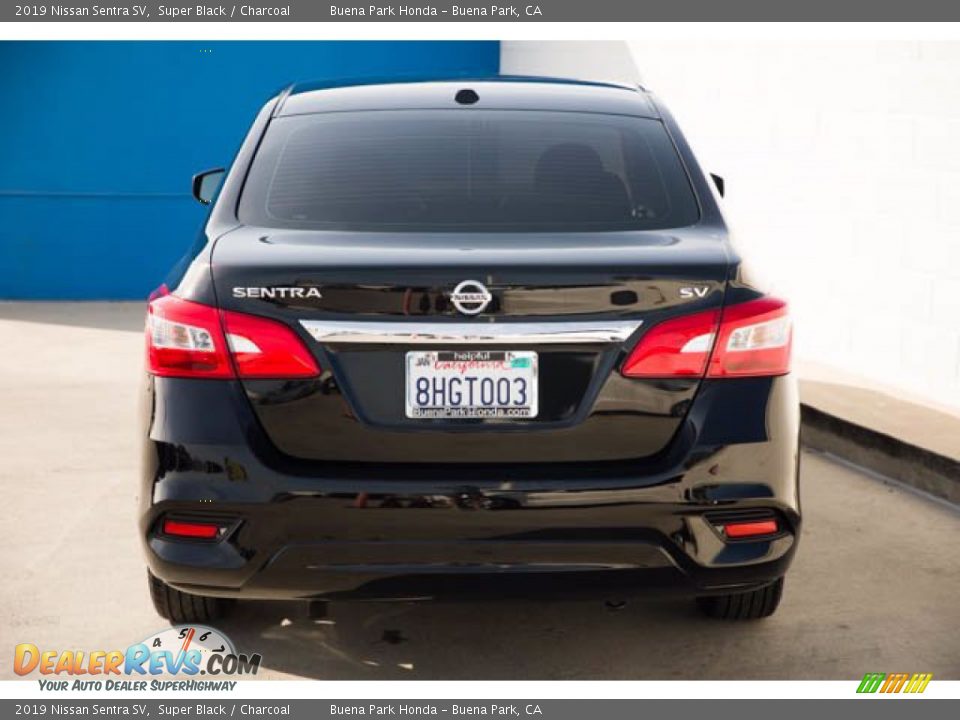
<point x="694" y="291"/>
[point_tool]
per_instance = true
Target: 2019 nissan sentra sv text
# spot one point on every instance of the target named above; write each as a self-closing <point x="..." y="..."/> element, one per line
<point x="455" y="338"/>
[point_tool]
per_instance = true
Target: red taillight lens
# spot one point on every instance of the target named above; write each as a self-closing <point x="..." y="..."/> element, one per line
<point x="263" y="348"/>
<point x="677" y="347"/>
<point x="197" y="530"/>
<point x="753" y="528"/>
<point x="749" y="339"/>
<point x="186" y="339"/>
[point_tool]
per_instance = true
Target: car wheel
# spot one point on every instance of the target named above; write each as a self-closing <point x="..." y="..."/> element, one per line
<point x="751" y="605"/>
<point x="180" y="607"/>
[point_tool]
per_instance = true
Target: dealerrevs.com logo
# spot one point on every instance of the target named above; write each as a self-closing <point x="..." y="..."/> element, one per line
<point x="185" y="650"/>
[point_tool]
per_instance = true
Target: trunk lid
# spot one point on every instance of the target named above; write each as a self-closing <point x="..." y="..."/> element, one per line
<point x="613" y="285"/>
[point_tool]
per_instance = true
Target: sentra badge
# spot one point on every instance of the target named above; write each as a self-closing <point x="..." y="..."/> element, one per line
<point x="278" y="293"/>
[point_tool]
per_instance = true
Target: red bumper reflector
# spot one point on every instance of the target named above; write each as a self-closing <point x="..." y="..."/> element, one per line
<point x="750" y="529"/>
<point x="178" y="528"/>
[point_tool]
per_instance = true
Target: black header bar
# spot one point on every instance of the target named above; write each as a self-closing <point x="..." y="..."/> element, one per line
<point x="470" y="11"/>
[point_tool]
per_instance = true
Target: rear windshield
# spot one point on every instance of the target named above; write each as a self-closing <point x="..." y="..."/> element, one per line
<point x="467" y="170"/>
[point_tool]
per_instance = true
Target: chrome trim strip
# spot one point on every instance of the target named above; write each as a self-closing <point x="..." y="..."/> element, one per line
<point x="474" y="333"/>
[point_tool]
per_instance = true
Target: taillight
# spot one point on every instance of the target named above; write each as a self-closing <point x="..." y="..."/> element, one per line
<point x="749" y="339"/>
<point x="755" y="339"/>
<point x="263" y="348"/>
<point x="187" y="339"/>
<point x="673" y="348"/>
<point x="184" y="339"/>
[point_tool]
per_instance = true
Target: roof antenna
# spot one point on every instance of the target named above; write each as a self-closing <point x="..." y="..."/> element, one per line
<point x="466" y="96"/>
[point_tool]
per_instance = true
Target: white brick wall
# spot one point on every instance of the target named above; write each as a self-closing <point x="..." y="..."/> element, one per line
<point x="842" y="162"/>
<point x="597" y="60"/>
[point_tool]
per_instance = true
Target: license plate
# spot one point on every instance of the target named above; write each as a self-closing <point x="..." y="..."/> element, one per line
<point x="472" y="384"/>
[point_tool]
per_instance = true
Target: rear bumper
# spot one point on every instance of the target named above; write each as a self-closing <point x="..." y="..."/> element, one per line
<point x="404" y="569"/>
<point x="312" y="530"/>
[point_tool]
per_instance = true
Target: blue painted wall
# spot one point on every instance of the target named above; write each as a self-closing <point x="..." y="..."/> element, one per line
<point x="98" y="141"/>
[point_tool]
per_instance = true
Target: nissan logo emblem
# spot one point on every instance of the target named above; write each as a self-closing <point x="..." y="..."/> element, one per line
<point x="471" y="297"/>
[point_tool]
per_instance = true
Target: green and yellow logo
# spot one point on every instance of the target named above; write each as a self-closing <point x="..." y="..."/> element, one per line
<point x="894" y="682"/>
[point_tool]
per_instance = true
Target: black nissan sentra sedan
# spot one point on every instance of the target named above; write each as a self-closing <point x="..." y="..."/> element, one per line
<point x="460" y="339"/>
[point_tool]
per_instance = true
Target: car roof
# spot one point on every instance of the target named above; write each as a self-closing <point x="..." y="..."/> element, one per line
<point x="494" y="93"/>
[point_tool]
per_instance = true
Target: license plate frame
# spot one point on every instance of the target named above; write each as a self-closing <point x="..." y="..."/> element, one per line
<point x="497" y="365"/>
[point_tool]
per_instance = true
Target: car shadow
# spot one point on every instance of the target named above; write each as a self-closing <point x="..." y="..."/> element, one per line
<point x="478" y="641"/>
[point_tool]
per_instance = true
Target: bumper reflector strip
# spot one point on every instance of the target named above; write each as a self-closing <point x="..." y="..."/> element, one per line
<point x="178" y="528"/>
<point x="750" y="529"/>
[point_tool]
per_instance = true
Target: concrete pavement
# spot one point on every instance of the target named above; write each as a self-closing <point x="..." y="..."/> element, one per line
<point x="875" y="587"/>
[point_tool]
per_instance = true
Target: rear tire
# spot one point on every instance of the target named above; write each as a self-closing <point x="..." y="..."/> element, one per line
<point x="182" y="608"/>
<point x="752" y="605"/>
